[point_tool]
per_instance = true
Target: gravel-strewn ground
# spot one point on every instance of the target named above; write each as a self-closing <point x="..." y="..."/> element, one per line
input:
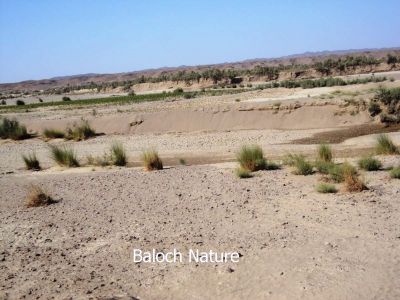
<point x="295" y="242"/>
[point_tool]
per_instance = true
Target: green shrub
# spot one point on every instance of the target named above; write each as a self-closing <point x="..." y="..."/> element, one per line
<point x="290" y="159"/>
<point x="118" y="154"/>
<point x="251" y="158"/>
<point x="369" y="164"/>
<point x="326" y="188"/>
<point x="243" y="173"/>
<point x="303" y="167"/>
<point x="151" y="160"/>
<point x="325" y="153"/>
<point x="80" y="132"/>
<point x="31" y="162"/>
<point x="299" y="162"/>
<point x="323" y="166"/>
<point x="338" y="172"/>
<point x="11" y="129"/>
<point x="395" y="173"/>
<point x="384" y="145"/>
<point x="182" y="162"/>
<point x="20" y="102"/>
<point x="66" y="98"/>
<point x="64" y="156"/>
<point x="53" y="134"/>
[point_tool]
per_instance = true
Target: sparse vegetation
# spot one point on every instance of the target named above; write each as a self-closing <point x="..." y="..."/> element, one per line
<point x="323" y="166"/>
<point x="395" y="172"/>
<point x="299" y="162"/>
<point x="151" y="160"/>
<point x="37" y="197"/>
<point x="118" y="154"/>
<point x="384" y="145"/>
<point x="80" y="132"/>
<point x="390" y="102"/>
<point x="251" y="158"/>
<point x="352" y="181"/>
<point x="182" y="162"/>
<point x="338" y="172"/>
<point x="369" y="164"/>
<point x="53" y="133"/>
<point x="64" y="156"/>
<point x="103" y="161"/>
<point x="12" y="129"/>
<point x="325" y="153"/>
<point x="243" y="173"/>
<point x="31" y="162"/>
<point x="326" y="188"/>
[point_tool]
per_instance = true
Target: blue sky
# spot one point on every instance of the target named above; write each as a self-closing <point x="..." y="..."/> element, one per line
<point x="47" y="38"/>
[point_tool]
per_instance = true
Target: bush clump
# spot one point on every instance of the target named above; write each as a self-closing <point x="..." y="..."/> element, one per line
<point x="12" y="129"/>
<point x="37" y="197"/>
<point x="118" y="154"/>
<point x="325" y="153"/>
<point x="369" y="164"/>
<point x="299" y="162"/>
<point x="31" y="162"/>
<point x="53" y="134"/>
<point x="395" y="172"/>
<point x="384" y="145"/>
<point x="151" y="160"/>
<point x="338" y="172"/>
<point x="80" y="132"/>
<point x="64" y="156"/>
<point x="20" y="102"/>
<point x="326" y="188"/>
<point x="353" y="183"/>
<point x="251" y="158"/>
<point x="323" y="167"/>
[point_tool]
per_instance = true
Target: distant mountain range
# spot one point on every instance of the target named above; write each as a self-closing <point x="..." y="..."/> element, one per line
<point x="303" y="58"/>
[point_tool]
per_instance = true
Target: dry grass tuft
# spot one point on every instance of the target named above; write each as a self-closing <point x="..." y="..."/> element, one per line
<point x="384" y="145"/>
<point x="37" y="197"/>
<point x="64" y="156"/>
<point x="325" y="153"/>
<point x="326" y="188"/>
<point x="369" y="164"/>
<point x="53" y="134"/>
<point x="80" y="132"/>
<point x="151" y="160"/>
<point x="31" y="162"/>
<point x="118" y="155"/>
<point x="352" y="181"/>
<point x="251" y="158"/>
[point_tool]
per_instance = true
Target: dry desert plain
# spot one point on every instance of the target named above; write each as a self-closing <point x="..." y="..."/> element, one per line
<point x="294" y="242"/>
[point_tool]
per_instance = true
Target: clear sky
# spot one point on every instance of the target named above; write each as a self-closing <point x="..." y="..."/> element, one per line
<point x="47" y="38"/>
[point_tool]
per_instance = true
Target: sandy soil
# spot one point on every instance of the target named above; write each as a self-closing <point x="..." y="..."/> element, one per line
<point x="294" y="243"/>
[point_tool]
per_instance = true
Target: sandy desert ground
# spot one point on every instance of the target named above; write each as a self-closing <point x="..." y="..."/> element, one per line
<point x="294" y="243"/>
